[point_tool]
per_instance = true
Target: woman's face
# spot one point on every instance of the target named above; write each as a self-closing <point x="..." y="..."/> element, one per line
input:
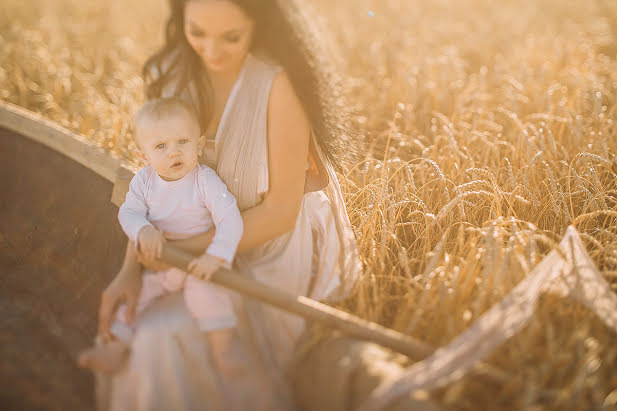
<point x="220" y="33"/>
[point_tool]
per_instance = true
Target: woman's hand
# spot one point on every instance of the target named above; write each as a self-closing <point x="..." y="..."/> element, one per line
<point x="125" y="287"/>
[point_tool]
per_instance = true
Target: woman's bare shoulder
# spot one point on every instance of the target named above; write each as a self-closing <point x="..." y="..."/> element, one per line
<point x="284" y="105"/>
<point x="282" y="86"/>
<point x="288" y="138"/>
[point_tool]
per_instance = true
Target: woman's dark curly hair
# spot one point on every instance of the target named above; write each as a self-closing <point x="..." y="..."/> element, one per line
<point x="285" y="33"/>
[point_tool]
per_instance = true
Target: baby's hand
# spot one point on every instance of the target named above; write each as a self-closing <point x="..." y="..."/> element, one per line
<point x="150" y="242"/>
<point x="203" y="267"/>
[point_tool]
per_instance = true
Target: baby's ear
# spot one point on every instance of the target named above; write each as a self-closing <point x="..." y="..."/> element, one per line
<point x="141" y="155"/>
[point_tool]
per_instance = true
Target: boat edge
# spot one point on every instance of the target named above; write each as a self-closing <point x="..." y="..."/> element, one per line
<point x="72" y="145"/>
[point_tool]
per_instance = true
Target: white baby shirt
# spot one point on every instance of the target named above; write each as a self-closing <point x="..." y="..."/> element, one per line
<point x="183" y="208"/>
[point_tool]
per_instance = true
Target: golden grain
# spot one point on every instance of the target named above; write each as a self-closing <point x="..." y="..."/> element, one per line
<point x="488" y="135"/>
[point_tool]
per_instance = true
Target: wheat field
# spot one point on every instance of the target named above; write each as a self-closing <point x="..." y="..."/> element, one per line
<point x="490" y="128"/>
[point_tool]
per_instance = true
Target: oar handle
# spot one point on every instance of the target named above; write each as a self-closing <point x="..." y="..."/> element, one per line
<point x="307" y="308"/>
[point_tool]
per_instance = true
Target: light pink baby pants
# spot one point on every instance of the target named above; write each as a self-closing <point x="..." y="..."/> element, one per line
<point x="208" y="303"/>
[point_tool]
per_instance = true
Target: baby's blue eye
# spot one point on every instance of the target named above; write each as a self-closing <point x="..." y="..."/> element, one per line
<point x="183" y="140"/>
<point x="162" y="145"/>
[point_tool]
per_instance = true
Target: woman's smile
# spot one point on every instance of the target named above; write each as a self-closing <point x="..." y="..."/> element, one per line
<point x="213" y="63"/>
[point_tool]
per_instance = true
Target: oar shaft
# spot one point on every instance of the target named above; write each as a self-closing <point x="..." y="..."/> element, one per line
<point x="321" y="313"/>
<point x="307" y="308"/>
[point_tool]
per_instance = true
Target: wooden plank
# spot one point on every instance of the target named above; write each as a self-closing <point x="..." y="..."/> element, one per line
<point x="44" y="131"/>
<point x="121" y="185"/>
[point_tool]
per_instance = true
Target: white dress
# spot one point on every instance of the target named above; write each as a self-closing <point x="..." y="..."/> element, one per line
<point x="169" y="368"/>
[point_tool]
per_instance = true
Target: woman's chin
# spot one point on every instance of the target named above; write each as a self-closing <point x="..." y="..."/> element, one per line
<point x="216" y="67"/>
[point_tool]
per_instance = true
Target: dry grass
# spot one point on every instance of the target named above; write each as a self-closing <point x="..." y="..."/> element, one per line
<point x="491" y="128"/>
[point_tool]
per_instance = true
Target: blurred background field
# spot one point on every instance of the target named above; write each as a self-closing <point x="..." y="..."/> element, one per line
<point x="490" y="127"/>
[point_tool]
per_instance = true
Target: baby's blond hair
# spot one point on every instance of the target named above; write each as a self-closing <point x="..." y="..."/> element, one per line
<point x="160" y="108"/>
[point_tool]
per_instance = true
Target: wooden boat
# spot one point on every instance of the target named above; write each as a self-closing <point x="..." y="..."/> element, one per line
<point x="60" y="244"/>
<point x="59" y="247"/>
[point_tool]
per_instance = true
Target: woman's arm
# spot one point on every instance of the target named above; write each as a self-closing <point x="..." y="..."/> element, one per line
<point x="288" y="139"/>
<point x="124" y="287"/>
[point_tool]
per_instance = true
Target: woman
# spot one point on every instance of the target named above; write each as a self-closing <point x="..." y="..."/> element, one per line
<point x="266" y="105"/>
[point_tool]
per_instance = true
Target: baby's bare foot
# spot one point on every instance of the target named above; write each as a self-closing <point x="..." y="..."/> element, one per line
<point x="106" y="358"/>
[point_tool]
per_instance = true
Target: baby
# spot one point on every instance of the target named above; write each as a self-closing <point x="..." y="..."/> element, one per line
<point x="175" y="197"/>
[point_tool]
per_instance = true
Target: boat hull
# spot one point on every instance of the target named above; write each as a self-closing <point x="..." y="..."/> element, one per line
<point x="60" y="244"/>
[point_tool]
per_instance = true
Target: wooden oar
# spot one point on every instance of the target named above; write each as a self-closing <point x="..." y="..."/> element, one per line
<point x="321" y="313"/>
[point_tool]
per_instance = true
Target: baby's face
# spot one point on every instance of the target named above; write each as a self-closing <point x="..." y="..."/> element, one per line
<point x="171" y="145"/>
